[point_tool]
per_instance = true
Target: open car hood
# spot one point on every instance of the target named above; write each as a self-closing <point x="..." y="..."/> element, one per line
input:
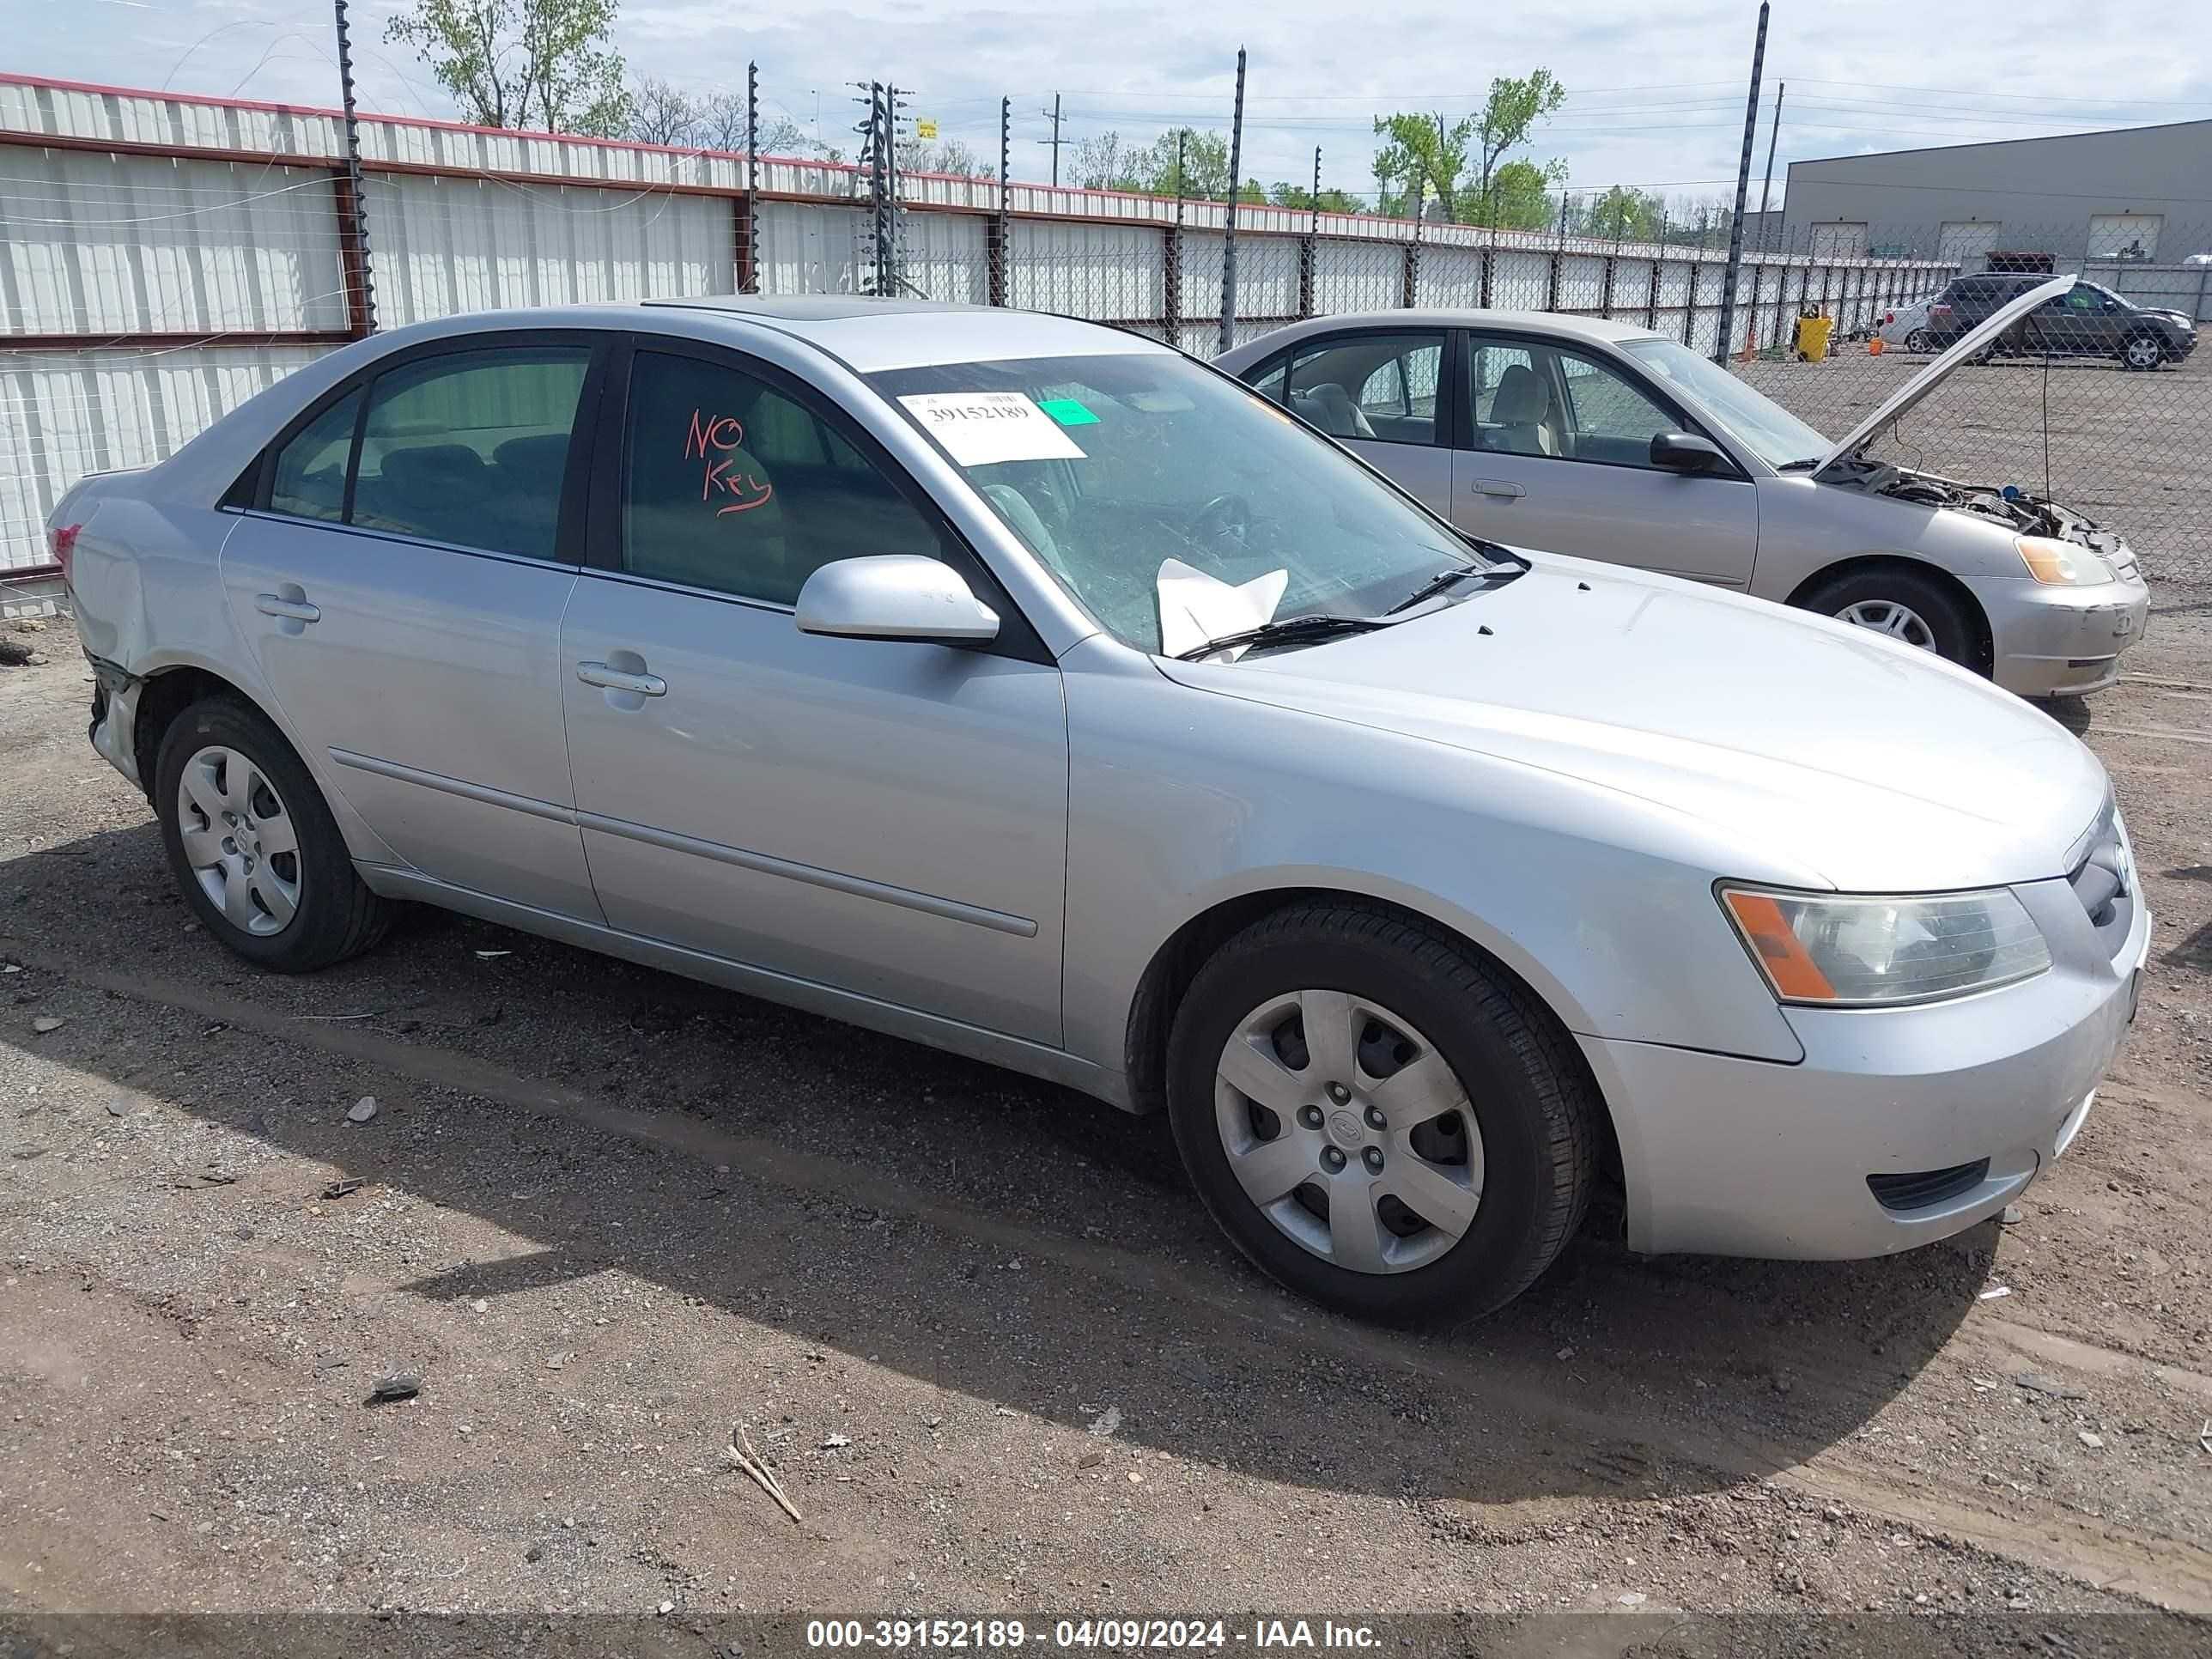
<point x="1899" y="403"/>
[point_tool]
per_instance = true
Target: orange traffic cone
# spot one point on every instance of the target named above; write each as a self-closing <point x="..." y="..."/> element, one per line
<point x="1873" y="346"/>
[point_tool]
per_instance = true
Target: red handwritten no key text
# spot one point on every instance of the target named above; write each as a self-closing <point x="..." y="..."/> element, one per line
<point x="717" y="435"/>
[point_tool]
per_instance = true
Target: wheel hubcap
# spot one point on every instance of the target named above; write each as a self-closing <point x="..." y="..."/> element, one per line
<point x="238" y="841"/>
<point x="1887" y="616"/>
<point x="2142" y="352"/>
<point x="1348" y="1130"/>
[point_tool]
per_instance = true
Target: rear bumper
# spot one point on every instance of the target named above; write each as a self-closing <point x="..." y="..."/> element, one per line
<point x="2061" y="641"/>
<point x="114" y="717"/>
<point x="1750" y="1158"/>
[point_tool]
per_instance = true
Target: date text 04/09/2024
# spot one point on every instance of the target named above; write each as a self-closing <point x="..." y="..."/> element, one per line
<point x="1005" y="1635"/>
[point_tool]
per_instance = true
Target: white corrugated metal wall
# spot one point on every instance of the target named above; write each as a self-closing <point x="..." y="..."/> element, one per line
<point x="161" y="286"/>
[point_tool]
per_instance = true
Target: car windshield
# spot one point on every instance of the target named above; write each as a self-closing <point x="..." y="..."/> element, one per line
<point x="1762" y="426"/>
<point x="1174" y="504"/>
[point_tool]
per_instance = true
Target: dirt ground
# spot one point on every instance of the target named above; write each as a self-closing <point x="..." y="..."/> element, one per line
<point x="996" y="1352"/>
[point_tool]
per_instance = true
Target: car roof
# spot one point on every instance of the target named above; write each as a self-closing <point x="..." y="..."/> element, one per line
<point x="1552" y="325"/>
<point x="868" y="335"/>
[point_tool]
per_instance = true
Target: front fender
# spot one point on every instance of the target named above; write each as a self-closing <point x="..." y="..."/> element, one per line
<point x="1180" y="801"/>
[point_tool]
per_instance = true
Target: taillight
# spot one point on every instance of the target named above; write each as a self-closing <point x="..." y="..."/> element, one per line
<point x="61" y="538"/>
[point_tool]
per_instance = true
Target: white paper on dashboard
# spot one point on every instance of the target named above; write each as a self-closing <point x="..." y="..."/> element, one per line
<point x="1195" y="607"/>
<point x="979" y="428"/>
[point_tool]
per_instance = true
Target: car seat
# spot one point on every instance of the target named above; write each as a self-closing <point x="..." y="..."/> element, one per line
<point x="1521" y="415"/>
<point x="1329" y="407"/>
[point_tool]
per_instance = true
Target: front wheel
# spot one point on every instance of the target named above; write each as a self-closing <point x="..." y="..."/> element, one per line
<point x="253" y="843"/>
<point x="2143" y="351"/>
<point x="1903" y="605"/>
<point x="1377" y="1118"/>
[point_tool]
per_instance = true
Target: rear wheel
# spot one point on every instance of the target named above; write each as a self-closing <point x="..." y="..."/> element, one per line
<point x="1917" y="340"/>
<point x="2143" y="351"/>
<point x="253" y="843"/>
<point x="1378" y="1119"/>
<point x="1902" y="605"/>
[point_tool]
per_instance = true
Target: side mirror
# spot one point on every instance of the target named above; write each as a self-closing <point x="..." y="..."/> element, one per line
<point x="2111" y="305"/>
<point x="894" y="596"/>
<point x="1684" y="452"/>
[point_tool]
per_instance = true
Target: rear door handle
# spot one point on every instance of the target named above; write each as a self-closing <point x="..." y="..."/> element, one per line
<point x="1495" y="487"/>
<point x="615" y="680"/>
<point x="299" y="611"/>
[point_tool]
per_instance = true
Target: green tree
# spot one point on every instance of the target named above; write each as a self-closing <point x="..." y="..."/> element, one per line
<point x="1204" y="166"/>
<point x="1424" y="158"/>
<point x="1508" y="114"/>
<point x="1624" y="214"/>
<point x="540" y="64"/>
<point x="1288" y="195"/>
<point x="1520" y="195"/>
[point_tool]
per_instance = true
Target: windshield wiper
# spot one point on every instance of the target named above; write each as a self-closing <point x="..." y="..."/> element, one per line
<point x="1458" y="573"/>
<point x="1286" y="630"/>
<point x="1799" y="466"/>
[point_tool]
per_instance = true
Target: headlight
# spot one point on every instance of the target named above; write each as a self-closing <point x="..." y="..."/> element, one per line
<point x="2060" y="564"/>
<point x="1862" y="951"/>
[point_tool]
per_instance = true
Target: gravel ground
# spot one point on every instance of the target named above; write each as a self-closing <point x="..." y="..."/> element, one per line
<point x="996" y="1353"/>
<point x="2130" y="451"/>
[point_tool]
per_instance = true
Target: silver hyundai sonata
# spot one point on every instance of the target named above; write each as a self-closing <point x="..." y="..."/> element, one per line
<point x="1024" y="687"/>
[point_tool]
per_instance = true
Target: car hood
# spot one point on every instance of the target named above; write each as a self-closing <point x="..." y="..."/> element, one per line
<point x="1831" y="755"/>
<point x="1900" y="403"/>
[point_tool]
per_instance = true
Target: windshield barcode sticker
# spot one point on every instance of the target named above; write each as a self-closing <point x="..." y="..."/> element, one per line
<point x="980" y="428"/>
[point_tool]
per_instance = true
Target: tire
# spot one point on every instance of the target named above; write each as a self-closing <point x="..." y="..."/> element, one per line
<point x="2142" y="352"/>
<point x="303" y="907"/>
<point x="1873" y="598"/>
<point x="1520" y="1165"/>
<point x="1917" y="340"/>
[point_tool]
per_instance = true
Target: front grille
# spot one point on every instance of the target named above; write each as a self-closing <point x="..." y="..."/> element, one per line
<point x="1922" y="1187"/>
<point x="2104" y="881"/>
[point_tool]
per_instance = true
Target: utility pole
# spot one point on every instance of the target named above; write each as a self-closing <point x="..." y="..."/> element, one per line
<point x="1055" y="141"/>
<point x="1743" y="192"/>
<point x="361" y="286"/>
<point x="1766" y="189"/>
<point x="1229" y="240"/>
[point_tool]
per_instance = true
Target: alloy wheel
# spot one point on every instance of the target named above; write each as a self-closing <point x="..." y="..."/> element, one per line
<point x="1349" y="1131"/>
<point x="2143" y="352"/>
<point x="239" y="839"/>
<point x="1899" y="622"/>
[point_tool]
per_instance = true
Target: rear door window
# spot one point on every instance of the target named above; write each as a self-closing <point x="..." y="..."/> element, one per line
<point x="310" y="477"/>
<point x="472" y="447"/>
<point x="1379" y="387"/>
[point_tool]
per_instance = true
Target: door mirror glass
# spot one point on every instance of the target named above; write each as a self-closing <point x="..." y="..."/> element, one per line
<point x="894" y="596"/>
<point x="1684" y="452"/>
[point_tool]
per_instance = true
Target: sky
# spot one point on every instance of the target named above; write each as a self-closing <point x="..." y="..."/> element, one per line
<point x="1657" y="95"/>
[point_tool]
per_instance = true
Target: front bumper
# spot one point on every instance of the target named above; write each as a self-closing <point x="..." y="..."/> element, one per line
<point x="2053" y="641"/>
<point x="1735" y="1157"/>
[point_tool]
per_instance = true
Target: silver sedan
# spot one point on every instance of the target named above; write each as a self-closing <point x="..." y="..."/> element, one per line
<point x="1022" y="687"/>
<point x="1609" y="441"/>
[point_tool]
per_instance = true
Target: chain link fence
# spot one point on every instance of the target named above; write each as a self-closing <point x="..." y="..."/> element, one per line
<point x="149" y="282"/>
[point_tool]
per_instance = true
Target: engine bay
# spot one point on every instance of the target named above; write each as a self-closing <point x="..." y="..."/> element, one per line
<point x="2005" y="504"/>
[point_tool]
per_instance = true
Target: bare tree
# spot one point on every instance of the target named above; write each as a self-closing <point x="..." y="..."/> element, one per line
<point x="663" y="114"/>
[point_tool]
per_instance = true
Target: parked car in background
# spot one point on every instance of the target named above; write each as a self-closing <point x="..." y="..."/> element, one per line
<point x="2088" y="320"/>
<point x="1021" y="686"/>
<point x="1609" y="441"/>
<point x="1966" y="302"/>
<point x="1906" y="328"/>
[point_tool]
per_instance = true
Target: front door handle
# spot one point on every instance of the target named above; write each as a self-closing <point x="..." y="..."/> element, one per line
<point x="616" y="679"/>
<point x="275" y="604"/>
<point x="1495" y="487"/>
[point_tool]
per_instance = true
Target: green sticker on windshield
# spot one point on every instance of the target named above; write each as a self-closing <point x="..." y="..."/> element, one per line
<point x="1067" y="412"/>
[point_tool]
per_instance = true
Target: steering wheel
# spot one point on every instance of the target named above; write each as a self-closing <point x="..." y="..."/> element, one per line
<point x="1225" y="518"/>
